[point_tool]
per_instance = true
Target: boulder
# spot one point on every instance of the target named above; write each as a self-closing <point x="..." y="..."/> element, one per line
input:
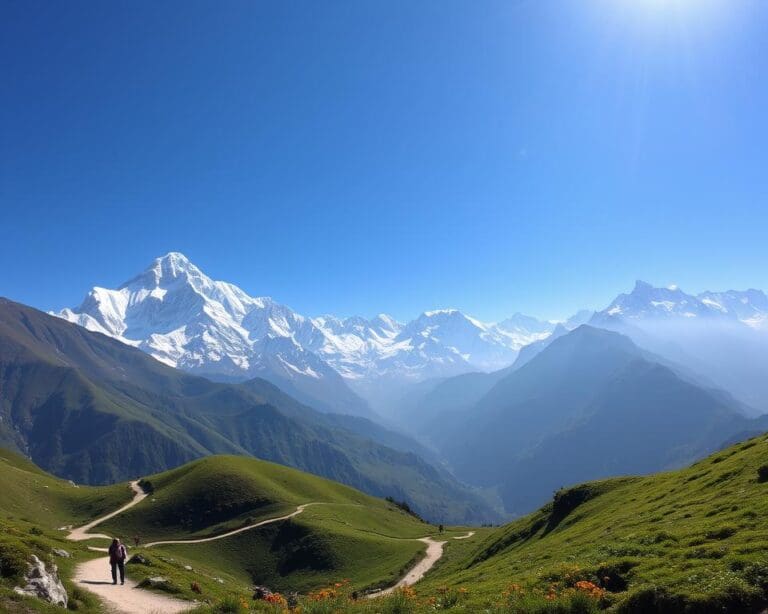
<point x="138" y="559"/>
<point x="43" y="583"/>
<point x="188" y="567"/>
<point x="261" y="592"/>
<point x="156" y="581"/>
<point x="61" y="552"/>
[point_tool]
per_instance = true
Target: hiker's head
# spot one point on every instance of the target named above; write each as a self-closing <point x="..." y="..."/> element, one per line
<point x="115" y="542"/>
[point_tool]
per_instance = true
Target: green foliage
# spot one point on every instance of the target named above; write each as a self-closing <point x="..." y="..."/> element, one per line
<point x="762" y="473"/>
<point x="403" y="505"/>
<point x="13" y="560"/>
<point x="689" y="540"/>
<point x="147" y="486"/>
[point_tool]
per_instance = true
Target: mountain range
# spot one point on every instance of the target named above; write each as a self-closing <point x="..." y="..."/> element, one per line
<point x="720" y="336"/>
<point x="182" y="317"/>
<point x="92" y="409"/>
<point x="655" y="380"/>
<point x="591" y="404"/>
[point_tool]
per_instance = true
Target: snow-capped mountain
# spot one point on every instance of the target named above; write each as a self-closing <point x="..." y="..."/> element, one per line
<point x="748" y="306"/>
<point x="648" y="302"/>
<point x="179" y="315"/>
<point x="438" y="343"/>
<point x="720" y="336"/>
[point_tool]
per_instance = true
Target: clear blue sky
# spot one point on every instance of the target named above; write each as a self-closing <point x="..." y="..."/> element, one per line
<point x="356" y="157"/>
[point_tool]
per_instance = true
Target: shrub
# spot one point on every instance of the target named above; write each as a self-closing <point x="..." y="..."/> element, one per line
<point x="146" y="486"/>
<point x="651" y="599"/>
<point x="721" y="533"/>
<point x="13" y="561"/>
<point x="756" y="574"/>
<point x="762" y="473"/>
<point x="403" y="505"/>
<point x="231" y="605"/>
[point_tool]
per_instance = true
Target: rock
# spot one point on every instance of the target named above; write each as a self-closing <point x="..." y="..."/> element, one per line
<point x="157" y="581"/>
<point x="188" y="567"/>
<point x="292" y="599"/>
<point x="137" y="559"/>
<point x="71" y="483"/>
<point x="61" y="552"/>
<point x="261" y="592"/>
<point x="43" y="583"/>
<point x="219" y="580"/>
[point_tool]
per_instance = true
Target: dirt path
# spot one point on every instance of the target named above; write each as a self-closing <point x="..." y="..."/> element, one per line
<point x="94" y="576"/>
<point x="130" y="599"/>
<point x="81" y="533"/>
<point x="419" y="570"/>
<point x="202" y="540"/>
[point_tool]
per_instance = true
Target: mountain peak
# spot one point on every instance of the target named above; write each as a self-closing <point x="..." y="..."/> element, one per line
<point x="165" y="269"/>
<point x="642" y="286"/>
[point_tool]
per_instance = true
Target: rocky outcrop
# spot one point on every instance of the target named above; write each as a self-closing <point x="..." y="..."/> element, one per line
<point x="44" y="583"/>
<point x="261" y="592"/>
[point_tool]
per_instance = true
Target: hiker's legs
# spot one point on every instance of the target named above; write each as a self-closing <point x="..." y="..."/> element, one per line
<point x="121" y="567"/>
<point x="114" y="572"/>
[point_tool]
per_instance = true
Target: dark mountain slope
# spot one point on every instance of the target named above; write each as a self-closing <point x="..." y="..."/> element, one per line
<point x="590" y="405"/>
<point x="456" y="396"/>
<point x="95" y="410"/>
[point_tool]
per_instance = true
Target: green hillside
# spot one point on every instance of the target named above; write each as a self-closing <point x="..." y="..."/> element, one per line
<point x="31" y="494"/>
<point x="689" y="540"/>
<point x="343" y="533"/>
<point x="34" y="507"/>
<point x="693" y="540"/>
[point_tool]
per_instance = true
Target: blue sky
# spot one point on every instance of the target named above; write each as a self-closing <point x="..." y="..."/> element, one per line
<point x="357" y="157"/>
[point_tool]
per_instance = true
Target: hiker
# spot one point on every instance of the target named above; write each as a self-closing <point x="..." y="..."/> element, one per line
<point x="117" y="556"/>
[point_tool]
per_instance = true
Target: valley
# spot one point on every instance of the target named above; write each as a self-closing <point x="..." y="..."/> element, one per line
<point x="686" y="540"/>
<point x="326" y="503"/>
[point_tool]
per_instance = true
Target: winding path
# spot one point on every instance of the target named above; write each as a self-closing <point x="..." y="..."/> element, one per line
<point x="419" y="570"/>
<point x="94" y="575"/>
<point x="81" y="533"/>
<point x="202" y="540"/>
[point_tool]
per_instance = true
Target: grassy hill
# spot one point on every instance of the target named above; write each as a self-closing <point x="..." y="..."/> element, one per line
<point x="689" y="540"/>
<point x="692" y="540"/>
<point x="31" y="494"/>
<point x="342" y="534"/>
<point x="34" y="506"/>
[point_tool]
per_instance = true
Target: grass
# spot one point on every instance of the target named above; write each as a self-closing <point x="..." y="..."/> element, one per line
<point x="31" y="494"/>
<point x="19" y="540"/>
<point x="345" y="533"/>
<point x="693" y="540"/>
